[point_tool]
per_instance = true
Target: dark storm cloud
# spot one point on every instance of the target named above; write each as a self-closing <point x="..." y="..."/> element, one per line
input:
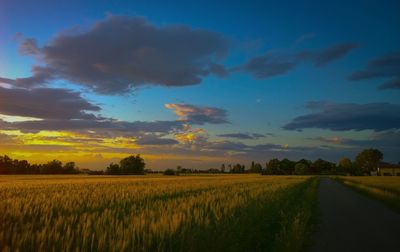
<point x="46" y="103"/>
<point x="278" y="63"/>
<point x="242" y="135"/>
<point x="198" y="114"/>
<point x="122" y="52"/>
<point x="386" y="66"/>
<point x="348" y="116"/>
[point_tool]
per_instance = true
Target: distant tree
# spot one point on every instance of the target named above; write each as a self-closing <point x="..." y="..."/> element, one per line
<point x="213" y="170"/>
<point x="252" y="166"/>
<point x="52" y="167"/>
<point x="308" y="163"/>
<point x="273" y="166"/>
<point x="238" y="168"/>
<point x="113" y="169"/>
<point x="223" y="168"/>
<point x="170" y="172"/>
<point x="300" y="169"/>
<point x="368" y="159"/>
<point x="255" y="168"/>
<point x="323" y="166"/>
<point x="287" y="166"/>
<point x="132" y="165"/>
<point x="345" y="163"/>
<point x="70" y="168"/>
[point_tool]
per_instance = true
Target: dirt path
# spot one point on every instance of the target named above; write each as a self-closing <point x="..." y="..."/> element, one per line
<point x="353" y="222"/>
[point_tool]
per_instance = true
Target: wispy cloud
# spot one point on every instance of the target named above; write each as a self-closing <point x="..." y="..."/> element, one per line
<point x="242" y="135"/>
<point x="198" y="114"/>
<point x="386" y="66"/>
<point x="276" y="63"/>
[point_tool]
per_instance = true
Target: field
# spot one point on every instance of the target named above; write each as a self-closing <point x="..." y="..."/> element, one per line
<point x="187" y="213"/>
<point x="386" y="189"/>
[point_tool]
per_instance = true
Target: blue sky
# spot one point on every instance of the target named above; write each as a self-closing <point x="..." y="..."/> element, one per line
<point x="275" y="34"/>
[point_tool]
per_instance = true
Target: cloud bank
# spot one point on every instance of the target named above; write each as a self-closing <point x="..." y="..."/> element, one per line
<point x="46" y="103"/>
<point x="348" y="116"/>
<point x="120" y="53"/>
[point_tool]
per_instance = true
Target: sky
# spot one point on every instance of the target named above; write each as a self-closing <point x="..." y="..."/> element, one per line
<point x="198" y="83"/>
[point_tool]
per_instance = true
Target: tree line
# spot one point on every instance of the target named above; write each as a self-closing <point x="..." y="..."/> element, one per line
<point x="365" y="162"/>
<point x="15" y="166"/>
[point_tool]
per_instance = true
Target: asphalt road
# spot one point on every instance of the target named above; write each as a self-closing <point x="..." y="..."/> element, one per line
<point x="350" y="221"/>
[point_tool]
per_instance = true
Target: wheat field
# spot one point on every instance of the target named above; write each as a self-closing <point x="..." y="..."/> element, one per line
<point x="145" y="213"/>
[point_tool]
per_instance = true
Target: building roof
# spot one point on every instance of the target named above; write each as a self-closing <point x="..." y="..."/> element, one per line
<point x="388" y="165"/>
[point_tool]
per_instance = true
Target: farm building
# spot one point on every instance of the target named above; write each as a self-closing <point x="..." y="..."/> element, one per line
<point x="389" y="170"/>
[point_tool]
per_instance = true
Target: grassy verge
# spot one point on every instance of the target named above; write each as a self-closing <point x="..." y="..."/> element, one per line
<point x="374" y="189"/>
<point x="299" y="219"/>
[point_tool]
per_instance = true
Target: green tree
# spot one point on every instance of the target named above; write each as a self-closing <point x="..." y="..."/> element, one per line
<point x="323" y="166"/>
<point x="70" y="168"/>
<point x="113" y="169"/>
<point x="223" y="168"/>
<point x="52" y="167"/>
<point x="255" y="167"/>
<point x="273" y="166"/>
<point x="287" y="166"/>
<point x="170" y="172"/>
<point x="300" y="169"/>
<point x="238" y="168"/>
<point x="345" y="163"/>
<point x="368" y="159"/>
<point x="132" y="165"/>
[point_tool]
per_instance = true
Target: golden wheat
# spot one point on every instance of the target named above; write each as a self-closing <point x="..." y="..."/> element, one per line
<point x="122" y="213"/>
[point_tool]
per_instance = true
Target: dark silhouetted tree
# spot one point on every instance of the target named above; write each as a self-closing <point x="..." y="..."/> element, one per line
<point x="132" y="165"/>
<point x="323" y="166"/>
<point x="170" y="172"/>
<point x="287" y="166"/>
<point x="368" y="160"/>
<point x="255" y="167"/>
<point x="223" y="168"/>
<point x="345" y="163"/>
<point x="238" y="168"/>
<point x="113" y="169"/>
<point x="273" y="167"/>
<point x="300" y="169"/>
